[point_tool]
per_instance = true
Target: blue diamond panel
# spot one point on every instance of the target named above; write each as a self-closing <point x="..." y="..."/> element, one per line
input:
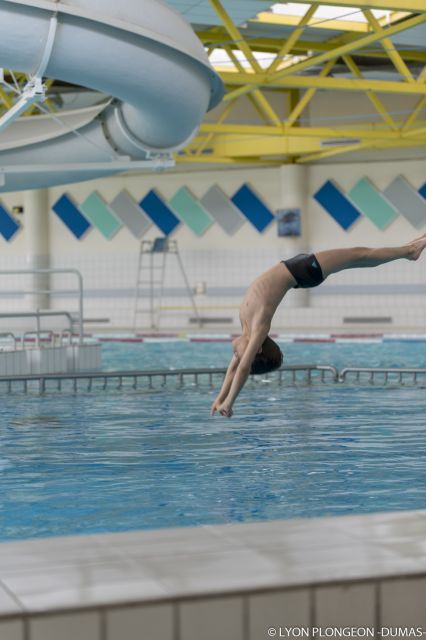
<point x="422" y="191"/>
<point x="159" y="212"/>
<point x="252" y="207"/>
<point x="8" y="225"/>
<point x="71" y="216"/>
<point x="337" y="205"/>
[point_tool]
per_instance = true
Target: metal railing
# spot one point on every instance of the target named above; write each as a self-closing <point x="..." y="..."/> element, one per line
<point x="38" y="330"/>
<point x="382" y="374"/>
<point x="148" y="378"/>
<point x="10" y="335"/>
<point x="38" y="314"/>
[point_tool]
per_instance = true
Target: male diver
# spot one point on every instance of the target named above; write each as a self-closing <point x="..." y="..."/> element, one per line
<point x="254" y="351"/>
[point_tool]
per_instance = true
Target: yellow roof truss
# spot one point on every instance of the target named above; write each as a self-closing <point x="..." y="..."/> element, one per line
<point x="297" y="67"/>
<point x="412" y="6"/>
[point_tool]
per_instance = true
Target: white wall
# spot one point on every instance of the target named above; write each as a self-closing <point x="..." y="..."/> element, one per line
<point x="394" y="276"/>
<point x="228" y="264"/>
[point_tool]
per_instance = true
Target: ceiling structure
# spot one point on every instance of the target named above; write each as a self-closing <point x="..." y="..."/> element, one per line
<point x="298" y="77"/>
<point x="283" y="61"/>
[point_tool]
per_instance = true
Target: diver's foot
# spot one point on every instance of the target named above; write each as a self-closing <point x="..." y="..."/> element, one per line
<point x="416" y="247"/>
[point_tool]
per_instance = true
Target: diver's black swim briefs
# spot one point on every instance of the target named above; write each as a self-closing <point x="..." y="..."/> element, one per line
<point x="305" y="269"/>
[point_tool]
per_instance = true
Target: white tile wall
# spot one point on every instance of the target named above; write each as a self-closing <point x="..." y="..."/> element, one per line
<point x="81" y="626"/>
<point x="211" y="619"/>
<point x="13" y="630"/>
<point x="352" y="606"/>
<point x="278" y="610"/>
<point x="220" y="260"/>
<point x="154" y="622"/>
<point x="403" y="603"/>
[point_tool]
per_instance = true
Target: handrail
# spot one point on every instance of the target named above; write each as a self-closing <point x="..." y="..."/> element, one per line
<point x="401" y="371"/>
<point x="150" y="374"/>
<point x="38" y="315"/>
<point x="9" y="334"/>
<point x="195" y="373"/>
<point x="74" y="272"/>
<point x="50" y="334"/>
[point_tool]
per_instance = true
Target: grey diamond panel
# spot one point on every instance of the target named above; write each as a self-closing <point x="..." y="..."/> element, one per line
<point x="130" y="214"/>
<point x="407" y="200"/>
<point x="220" y="207"/>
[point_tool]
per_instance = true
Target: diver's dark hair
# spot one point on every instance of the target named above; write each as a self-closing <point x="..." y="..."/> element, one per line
<point x="265" y="362"/>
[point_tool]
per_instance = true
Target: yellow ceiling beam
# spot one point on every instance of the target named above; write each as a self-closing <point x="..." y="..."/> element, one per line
<point x="260" y="103"/>
<point x="225" y="113"/>
<point x="264" y="150"/>
<point x="327" y="153"/>
<point x="417" y="109"/>
<point x="422" y="75"/>
<point x="6" y="99"/>
<point x="417" y="131"/>
<point x="390" y="18"/>
<point x="309" y="148"/>
<point x="291" y="41"/>
<point x="217" y="159"/>
<point x="413" y="6"/>
<point x="293" y="99"/>
<point x="378" y="145"/>
<point x="390" y="48"/>
<point x="359" y="43"/>
<point x="240" y="146"/>
<point x="279" y="19"/>
<point x="258" y="131"/>
<point x="219" y="38"/>
<point x="308" y="95"/>
<point x="208" y="159"/>
<point x="375" y="100"/>
<point x="236" y="36"/>
<point x="421" y="104"/>
<point x="413" y="115"/>
<point x="316" y="82"/>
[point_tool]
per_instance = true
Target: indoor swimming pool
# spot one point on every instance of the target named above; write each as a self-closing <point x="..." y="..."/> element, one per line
<point x="141" y="459"/>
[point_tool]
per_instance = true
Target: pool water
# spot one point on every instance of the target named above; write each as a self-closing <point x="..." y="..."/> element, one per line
<point x="139" y="459"/>
<point x="178" y="354"/>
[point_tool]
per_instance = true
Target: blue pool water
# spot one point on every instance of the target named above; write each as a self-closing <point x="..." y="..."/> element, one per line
<point x="134" y="459"/>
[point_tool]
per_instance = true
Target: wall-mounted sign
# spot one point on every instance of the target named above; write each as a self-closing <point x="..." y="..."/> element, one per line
<point x="288" y="222"/>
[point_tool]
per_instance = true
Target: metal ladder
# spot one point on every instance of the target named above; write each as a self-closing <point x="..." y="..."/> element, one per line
<point x="152" y="272"/>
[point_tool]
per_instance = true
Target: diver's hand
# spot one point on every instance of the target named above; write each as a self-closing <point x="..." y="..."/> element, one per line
<point x="215" y="406"/>
<point x="225" y="409"/>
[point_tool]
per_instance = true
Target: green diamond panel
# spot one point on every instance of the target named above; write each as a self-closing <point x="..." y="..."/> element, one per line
<point x="368" y="199"/>
<point x="191" y="211"/>
<point x="100" y="215"/>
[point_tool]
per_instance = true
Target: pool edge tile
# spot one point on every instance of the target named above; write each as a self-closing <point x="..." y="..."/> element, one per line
<point x="9" y="604"/>
<point x="238" y="568"/>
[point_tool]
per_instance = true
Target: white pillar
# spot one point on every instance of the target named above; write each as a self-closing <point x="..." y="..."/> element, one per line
<point x="36" y="209"/>
<point x="294" y="195"/>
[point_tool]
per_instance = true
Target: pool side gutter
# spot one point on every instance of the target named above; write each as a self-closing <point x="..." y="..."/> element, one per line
<point x="363" y="570"/>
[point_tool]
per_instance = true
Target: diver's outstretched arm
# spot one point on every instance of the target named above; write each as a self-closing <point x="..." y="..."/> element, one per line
<point x="232" y="368"/>
<point x="243" y="371"/>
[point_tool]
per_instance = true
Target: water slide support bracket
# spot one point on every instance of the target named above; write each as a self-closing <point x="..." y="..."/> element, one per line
<point x="34" y="91"/>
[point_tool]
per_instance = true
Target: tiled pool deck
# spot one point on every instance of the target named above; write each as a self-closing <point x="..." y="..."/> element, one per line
<point x="228" y="582"/>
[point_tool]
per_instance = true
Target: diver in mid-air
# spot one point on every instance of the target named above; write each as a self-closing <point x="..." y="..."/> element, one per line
<point x="254" y="351"/>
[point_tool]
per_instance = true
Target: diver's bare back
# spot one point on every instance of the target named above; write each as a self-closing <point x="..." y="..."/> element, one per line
<point x="264" y="295"/>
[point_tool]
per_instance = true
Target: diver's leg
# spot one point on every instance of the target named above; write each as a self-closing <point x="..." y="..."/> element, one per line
<point x="340" y="259"/>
